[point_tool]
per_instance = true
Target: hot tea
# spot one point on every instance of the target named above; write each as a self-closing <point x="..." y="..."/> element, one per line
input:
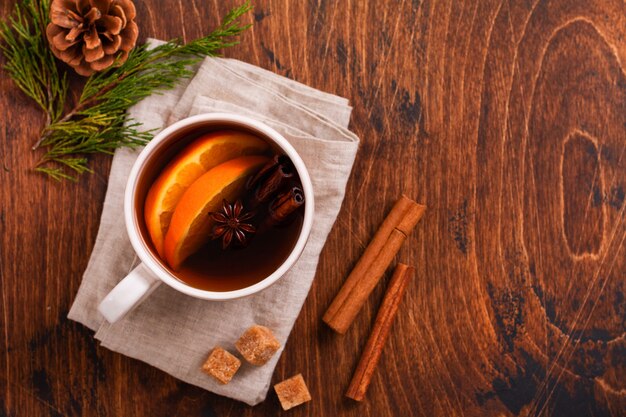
<point x="225" y="209"/>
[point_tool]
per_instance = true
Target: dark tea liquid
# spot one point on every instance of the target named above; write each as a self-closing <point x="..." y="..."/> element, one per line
<point x="214" y="269"/>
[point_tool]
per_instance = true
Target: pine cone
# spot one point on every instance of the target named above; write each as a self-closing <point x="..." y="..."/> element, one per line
<point x="90" y="35"/>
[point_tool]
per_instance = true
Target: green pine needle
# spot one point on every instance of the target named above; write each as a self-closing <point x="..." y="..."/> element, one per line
<point x="29" y="61"/>
<point x="97" y="123"/>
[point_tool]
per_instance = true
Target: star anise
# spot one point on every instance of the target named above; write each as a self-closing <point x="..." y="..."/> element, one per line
<point x="230" y="223"/>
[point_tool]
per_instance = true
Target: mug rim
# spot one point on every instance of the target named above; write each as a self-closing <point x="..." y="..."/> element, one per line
<point x="149" y="259"/>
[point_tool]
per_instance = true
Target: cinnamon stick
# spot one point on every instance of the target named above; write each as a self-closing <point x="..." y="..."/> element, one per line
<point x="284" y="205"/>
<point x="376" y="342"/>
<point x="386" y="243"/>
<point x="271" y="179"/>
<point x="266" y="170"/>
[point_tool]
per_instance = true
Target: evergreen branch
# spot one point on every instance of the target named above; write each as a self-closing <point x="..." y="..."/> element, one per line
<point x="55" y="173"/>
<point x="29" y="61"/>
<point x="98" y="122"/>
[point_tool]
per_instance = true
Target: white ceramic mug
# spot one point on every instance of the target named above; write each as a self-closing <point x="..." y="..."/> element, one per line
<point x="146" y="277"/>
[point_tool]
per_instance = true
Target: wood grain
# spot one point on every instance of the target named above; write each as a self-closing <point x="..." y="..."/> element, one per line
<point x="507" y="118"/>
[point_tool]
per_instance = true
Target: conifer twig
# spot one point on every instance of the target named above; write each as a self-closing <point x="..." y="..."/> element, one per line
<point x="97" y="122"/>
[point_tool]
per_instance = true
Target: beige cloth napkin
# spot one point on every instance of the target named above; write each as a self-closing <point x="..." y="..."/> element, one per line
<point x="175" y="332"/>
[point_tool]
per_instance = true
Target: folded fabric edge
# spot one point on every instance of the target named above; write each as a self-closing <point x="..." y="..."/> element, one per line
<point x="78" y="317"/>
<point x="203" y="104"/>
<point x="289" y="83"/>
<point x="344" y="131"/>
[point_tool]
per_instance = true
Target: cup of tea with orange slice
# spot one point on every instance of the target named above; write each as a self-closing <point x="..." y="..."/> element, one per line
<point x="217" y="206"/>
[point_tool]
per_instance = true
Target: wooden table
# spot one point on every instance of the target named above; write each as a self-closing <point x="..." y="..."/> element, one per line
<point x="507" y="118"/>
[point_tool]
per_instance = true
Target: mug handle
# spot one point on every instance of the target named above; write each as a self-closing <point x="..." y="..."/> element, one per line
<point x="128" y="293"/>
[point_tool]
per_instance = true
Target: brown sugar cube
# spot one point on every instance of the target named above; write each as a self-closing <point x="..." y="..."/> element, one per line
<point x="221" y="365"/>
<point x="257" y="345"/>
<point x="292" y="392"/>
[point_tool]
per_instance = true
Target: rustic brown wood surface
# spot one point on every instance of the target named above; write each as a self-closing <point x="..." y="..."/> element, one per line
<point x="508" y="118"/>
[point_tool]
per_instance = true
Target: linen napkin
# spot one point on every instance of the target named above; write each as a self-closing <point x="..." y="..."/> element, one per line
<point x="175" y="332"/>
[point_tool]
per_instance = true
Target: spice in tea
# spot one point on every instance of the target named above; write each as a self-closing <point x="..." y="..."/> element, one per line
<point x="231" y="222"/>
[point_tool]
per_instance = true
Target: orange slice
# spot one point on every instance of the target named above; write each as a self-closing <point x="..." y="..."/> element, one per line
<point x="191" y="225"/>
<point x="200" y="156"/>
